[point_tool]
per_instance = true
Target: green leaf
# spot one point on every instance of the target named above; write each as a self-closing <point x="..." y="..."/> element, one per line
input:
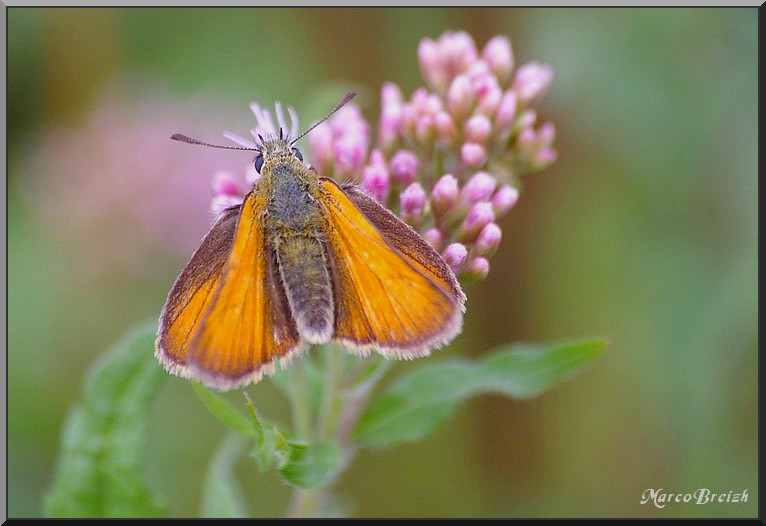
<point x="310" y="465"/>
<point x="104" y="438"/>
<point x="223" y="496"/>
<point x="224" y="411"/>
<point x="419" y="403"/>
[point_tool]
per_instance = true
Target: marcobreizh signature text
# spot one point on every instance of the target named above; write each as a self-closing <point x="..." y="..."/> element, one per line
<point x="660" y="497"/>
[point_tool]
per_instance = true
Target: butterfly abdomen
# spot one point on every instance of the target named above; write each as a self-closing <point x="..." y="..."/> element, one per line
<point x="294" y="220"/>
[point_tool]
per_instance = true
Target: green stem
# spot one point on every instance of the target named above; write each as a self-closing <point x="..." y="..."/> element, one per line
<point x="331" y="399"/>
<point x="299" y="399"/>
<point x="343" y="400"/>
<point x="305" y="503"/>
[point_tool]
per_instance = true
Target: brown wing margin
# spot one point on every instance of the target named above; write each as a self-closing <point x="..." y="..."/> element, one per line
<point x="192" y="292"/>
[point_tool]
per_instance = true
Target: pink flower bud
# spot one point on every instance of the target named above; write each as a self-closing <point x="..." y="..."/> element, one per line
<point x="475" y="270"/>
<point x="375" y="181"/>
<point x="413" y="201"/>
<point x="478" y="188"/>
<point x="531" y="81"/>
<point x="477" y="129"/>
<point x="488" y="95"/>
<point x="473" y="155"/>
<point x="431" y="64"/>
<point x="460" y="98"/>
<point x="404" y="167"/>
<point x="459" y="49"/>
<point x="505" y="114"/>
<point x="480" y="215"/>
<point x="444" y="195"/>
<point x="434" y="237"/>
<point x="424" y="129"/>
<point x="455" y="255"/>
<point x="488" y="240"/>
<point x="504" y="199"/>
<point x="349" y="155"/>
<point x="445" y="128"/>
<point x="390" y="94"/>
<point x="499" y="55"/>
<point x="321" y="148"/>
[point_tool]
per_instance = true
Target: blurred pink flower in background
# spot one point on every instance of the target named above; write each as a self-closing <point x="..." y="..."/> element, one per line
<point x="115" y="191"/>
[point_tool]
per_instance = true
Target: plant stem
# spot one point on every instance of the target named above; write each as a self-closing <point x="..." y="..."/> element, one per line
<point x="299" y="400"/>
<point x="331" y="400"/>
<point x="343" y="401"/>
<point x="305" y="503"/>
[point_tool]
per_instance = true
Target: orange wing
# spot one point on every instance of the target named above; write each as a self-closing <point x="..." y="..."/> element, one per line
<point x="226" y="319"/>
<point x="400" y="300"/>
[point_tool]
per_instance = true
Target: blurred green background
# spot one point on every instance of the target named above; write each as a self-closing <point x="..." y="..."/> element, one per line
<point x="643" y="232"/>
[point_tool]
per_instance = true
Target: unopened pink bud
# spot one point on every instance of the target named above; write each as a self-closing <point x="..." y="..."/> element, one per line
<point x="478" y="188"/>
<point x="455" y="255"/>
<point x="475" y="270"/>
<point x="499" y="55"/>
<point x="445" y="128"/>
<point x="504" y="199"/>
<point x="444" y="195"/>
<point x="425" y="130"/>
<point x="321" y="148"/>
<point x="390" y="94"/>
<point x="526" y="119"/>
<point x="472" y="154"/>
<point x="459" y="48"/>
<point x="543" y="158"/>
<point x="489" y="94"/>
<point x="531" y="81"/>
<point x="404" y="167"/>
<point x="349" y="155"/>
<point x="546" y="134"/>
<point x="434" y="237"/>
<point x="413" y="201"/>
<point x="460" y="98"/>
<point x="488" y="240"/>
<point x="477" y="129"/>
<point x="375" y="181"/>
<point x="480" y="215"/>
<point x="431" y="64"/>
<point x="505" y="114"/>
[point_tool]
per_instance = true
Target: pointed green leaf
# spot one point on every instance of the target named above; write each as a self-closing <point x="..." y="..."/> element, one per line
<point x="310" y="466"/>
<point x="104" y="438"/>
<point x="224" y="411"/>
<point x="223" y="496"/>
<point x="264" y="446"/>
<point x="421" y="401"/>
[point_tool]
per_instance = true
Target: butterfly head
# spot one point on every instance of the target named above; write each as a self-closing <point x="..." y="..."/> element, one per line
<point x="276" y="149"/>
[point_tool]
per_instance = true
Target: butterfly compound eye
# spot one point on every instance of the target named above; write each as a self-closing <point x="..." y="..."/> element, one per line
<point x="258" y="162"/>
<point x="298" y="154"/>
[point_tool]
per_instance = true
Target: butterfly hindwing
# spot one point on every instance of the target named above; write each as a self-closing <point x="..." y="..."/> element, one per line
<point x="393" y="293"/>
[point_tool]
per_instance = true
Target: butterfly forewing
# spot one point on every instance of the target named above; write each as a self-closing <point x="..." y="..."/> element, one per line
<point x="245" y="323"/>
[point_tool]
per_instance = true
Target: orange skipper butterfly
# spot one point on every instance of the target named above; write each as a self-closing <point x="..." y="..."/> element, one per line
<point x="303" y="260"/>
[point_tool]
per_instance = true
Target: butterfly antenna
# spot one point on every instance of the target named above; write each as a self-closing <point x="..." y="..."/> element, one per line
<point x="185" y="138"/>
<point x="350" y="95"/>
